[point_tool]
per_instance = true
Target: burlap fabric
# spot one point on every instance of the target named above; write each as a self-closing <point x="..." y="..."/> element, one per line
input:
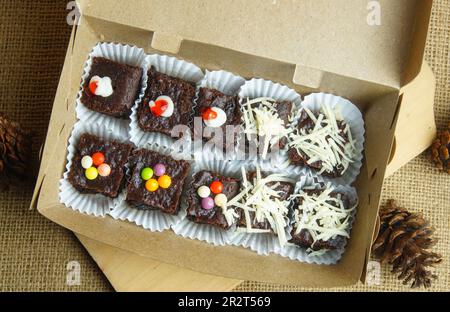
<point x="34" y="252"/>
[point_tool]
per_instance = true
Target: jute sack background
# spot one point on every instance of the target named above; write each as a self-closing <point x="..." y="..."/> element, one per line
<point x="34" y="253"/>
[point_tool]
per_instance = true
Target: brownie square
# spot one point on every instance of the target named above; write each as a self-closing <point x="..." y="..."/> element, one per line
<point x="307" y="124"/>
<point x="284" y="110"/>
<point x="126" y="83"/>
<point x="116" y="156"/>
<point x="166" y="200"/>
<point x="287" y="189"/>
<point x="215" y="217"/>
<point x="304" y="238"/>
<point x="182" y="94"/>
<point x="209" y="98"/>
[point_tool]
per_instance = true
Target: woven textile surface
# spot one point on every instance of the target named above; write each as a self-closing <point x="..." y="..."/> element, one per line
<point x="34" y="252"/>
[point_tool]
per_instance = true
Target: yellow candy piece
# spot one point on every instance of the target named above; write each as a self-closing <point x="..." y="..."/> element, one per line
<point x="91" y="173"/>
<point x="152" y="185"/>
<point x="165" y="181"/>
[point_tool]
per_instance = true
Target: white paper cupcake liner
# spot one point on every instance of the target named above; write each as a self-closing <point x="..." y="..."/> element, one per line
<point x="264" y="243"/>
<point x="123" y="54"/>
<point x="91" y="204"/>
<point x="257" y="88"/>
<point x="331" y="257"/>
<point x="153" y="220"/>
<point x="170" y="66"/>
<point x="205" y="232"/>
<point x="350" y="114"/>
<point x="228" y="84"/>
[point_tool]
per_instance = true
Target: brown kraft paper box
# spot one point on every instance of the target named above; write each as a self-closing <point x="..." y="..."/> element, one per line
<point x="311" y="46"/>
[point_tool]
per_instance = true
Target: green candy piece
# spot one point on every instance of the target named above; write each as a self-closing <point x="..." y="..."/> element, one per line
<point x="147" y="174"/>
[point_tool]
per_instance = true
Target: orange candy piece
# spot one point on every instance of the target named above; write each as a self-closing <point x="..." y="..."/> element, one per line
<point x="98" y="159"/>
<point x="93" y="87"/>
<point x="152" y="185"/>
<point x="216" y="187"/>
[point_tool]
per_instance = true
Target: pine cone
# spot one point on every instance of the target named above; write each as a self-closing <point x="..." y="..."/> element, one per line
<point x="440" y="150"/>
<point x="15" y="153"/>
<point x="403" y="242"/>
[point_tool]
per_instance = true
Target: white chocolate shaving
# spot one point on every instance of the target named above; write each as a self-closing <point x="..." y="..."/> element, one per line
<point x="264" y="202"/>
<point x="325" y="142"/>
<point x="324" y="216"/>
<point x="261" y="119"/>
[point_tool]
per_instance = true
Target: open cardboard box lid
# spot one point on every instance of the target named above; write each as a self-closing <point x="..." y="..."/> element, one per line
<point x="308" y="45"/>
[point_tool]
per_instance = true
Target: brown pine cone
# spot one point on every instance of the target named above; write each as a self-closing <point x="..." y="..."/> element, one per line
<point x="440" y="150"/>
<point x="403" y="242"/>
<point x="15" y="153"/>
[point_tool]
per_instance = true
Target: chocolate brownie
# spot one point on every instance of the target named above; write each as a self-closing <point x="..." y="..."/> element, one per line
<point x="166" y="200"/>
<point x="181" y="93"/>
<point x="307" y="124"/>
<point x="126" y="85"/>
<point x="211" y="98"/>
<point x="214" y="216"/>
<point x="116" y="156"/>
<point x="286" y="190"/>
<point x="304" y="238"/>
<point x="284" y="110"/>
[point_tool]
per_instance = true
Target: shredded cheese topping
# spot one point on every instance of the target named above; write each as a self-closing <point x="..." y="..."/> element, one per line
<point x="229" y="214"/>
<point x="325" y="142"/>
<point x="323" y="215"/>
<point x="264" y="202"/>
<point x="261" y="119"/>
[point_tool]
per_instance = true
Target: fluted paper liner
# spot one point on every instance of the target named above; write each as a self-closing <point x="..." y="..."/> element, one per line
<point x="228" y="84"/>
<point x="92" y="204"/>
<point x="123" y="54"/>
<point x="153" y="220"/>
<point x="257" y="88"/>
<point x="331" y="257"/>
<point x="265" y="243"/>
<point x="170" y="66"/>
<point x="353" y="117"/>
<point x="210" y="162"/>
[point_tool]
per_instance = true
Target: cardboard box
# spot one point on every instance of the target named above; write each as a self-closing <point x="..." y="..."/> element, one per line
<point x="314" y="45"/>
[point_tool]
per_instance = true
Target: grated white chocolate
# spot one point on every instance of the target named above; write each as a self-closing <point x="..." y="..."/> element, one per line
<point x="325" y="142"/>
<point x="264" y="201"/>
<point x="261" y="119"/>
<point x="324" y="216"/>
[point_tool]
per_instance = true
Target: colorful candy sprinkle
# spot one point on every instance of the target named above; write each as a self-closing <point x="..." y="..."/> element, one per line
<point x="104" y="170"/>
<point x="209" y="114"/>
<point x="160" y="170"/>
<point x="207" y="203"/>
<point x="221" y="200"/>
<point x="91" y="173"/>
<point x="203" y="191"/>
<point x="147" y="174"/>
<point x="93" y="86"/>
<point x="216" y="187"/>
<point x="87" y="162"/>
<point x="159" y="107"/>
<point x="98" y="158"/>
<point x="165" y="181"/>
<point x="152" y="185"/>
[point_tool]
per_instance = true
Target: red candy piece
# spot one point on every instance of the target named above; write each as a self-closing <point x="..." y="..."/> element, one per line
<point x="93" y="87"/>
<point x="159" y="108"/>
<point x="98" y="159"/>
<point x="209" y="114"/>
<point x="216" y="187"/>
